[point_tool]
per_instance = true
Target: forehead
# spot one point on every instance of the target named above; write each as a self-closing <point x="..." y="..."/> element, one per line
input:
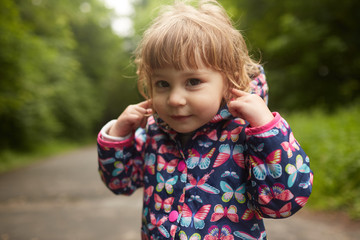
<point x="185" y="59"/>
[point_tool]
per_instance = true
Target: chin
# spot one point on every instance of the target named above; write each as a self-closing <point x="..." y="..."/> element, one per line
<point x="183" y="131"/>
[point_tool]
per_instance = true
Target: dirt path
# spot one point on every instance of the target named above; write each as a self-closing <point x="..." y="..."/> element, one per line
<point x="63" y="198"/>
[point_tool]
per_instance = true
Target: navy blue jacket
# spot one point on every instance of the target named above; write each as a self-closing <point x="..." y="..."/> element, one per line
<point x="219" y="185"/>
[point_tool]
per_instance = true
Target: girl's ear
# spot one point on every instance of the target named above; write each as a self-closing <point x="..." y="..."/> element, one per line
<point x="151" y="105"/>
<point x="226" y="89"/>
<point x="232" y="83"/>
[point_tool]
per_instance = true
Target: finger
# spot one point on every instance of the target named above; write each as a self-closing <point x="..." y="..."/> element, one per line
<point x="149" y="112"/>
<point x="142" y="116"/>
<point x="135" y="118"/>
<point x="234" y="106"/>
<point x="145" y="104"/>
<point x="238" y="92"/>
<point x="234" y="112"/>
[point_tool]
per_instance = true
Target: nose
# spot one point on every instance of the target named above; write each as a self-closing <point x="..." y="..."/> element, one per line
<point x="177" y="98"/>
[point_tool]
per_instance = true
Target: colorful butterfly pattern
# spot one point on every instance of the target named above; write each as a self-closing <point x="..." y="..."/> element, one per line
<point x="300" y="167"/>
<point x="301" y="201"/>
<point x="195" y="219"/>
<point x="258" y="148"/>
<point x="214" y="233"/>
<point x="229" y="192"/>
<point x="201" y="184"/>
<point x="226" y="152"/>
<point x="233" y="134"/>
<point x="249" y="214"/>
<point x="167" y="184"/>
<point x="195" y="198"/>
<point x="158" y="224"/>
<point x="150" y="160"/>
<point x="285" y="211"/>
<point x="271" y="166"/>
<point x="183" y="236"/>
<point x="219" y="185"/>
<point x="202" y="160"/>
<point x="283" y="126"/>
<point x="169" y="166"/>
<point x="228" y="173"/>
<point x="221" y="212"/>
<point x="290" y="146"/>
<point x="119" y="167"/>
<point x="308" y="183"/>
<point x="211" y="135"/>
<point x="148" y="192"/>
<point x="246" y="236"/>
<point x="163" y="204"/>
<point x="277" y="191"/>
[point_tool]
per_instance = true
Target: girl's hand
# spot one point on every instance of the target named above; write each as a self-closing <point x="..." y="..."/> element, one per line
<point x="133" y="117"/>
<point x="250" y="107"/>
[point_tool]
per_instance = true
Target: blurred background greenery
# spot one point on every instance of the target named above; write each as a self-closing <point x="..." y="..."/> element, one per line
<point x="64" y="73"/>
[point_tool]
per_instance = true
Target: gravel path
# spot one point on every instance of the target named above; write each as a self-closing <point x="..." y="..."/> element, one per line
<point x="62" y="198"/>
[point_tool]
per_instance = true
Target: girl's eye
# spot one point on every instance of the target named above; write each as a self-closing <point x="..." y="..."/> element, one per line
<point x="162" y="84"/>
<point x="194" y="81"/>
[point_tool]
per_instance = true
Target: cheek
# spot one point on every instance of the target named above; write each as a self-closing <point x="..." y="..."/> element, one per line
<point x="208" y="104"/>
<point x="157" y="103"/>
<point x="218" y="95"/>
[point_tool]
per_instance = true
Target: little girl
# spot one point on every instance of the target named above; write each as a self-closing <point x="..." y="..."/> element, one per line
<point x="212" y="158"/>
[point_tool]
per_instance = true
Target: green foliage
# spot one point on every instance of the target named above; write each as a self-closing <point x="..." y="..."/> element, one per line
<point x="22" y="89"/>
<point x="309" y="48"/>
<point x="332" y="141"/>
<point x="59" y="60"/>
<point x="146" y="11"/>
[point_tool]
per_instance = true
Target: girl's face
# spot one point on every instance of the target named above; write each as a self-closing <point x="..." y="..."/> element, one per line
<point x="187" y="99"/>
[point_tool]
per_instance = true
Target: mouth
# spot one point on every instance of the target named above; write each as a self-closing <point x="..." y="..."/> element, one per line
<point x="180" y="117"/>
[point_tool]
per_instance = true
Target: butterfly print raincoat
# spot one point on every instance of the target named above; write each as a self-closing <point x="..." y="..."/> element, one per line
<point x="219" y="185"/>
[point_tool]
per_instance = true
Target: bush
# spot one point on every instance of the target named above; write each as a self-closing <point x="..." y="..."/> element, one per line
<point x="332" y="142"/>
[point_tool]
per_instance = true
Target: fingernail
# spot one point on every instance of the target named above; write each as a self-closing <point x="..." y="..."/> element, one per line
<point x="148" y="112"/>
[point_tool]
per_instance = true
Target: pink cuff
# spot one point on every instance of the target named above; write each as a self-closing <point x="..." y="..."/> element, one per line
<point x="113" y="144"/>
<point x="270" y="125"/>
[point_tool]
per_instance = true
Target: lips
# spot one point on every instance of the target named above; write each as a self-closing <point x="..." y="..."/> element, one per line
<point x="180" y="117"/>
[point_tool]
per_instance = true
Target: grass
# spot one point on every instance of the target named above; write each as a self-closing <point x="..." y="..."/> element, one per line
<point x="10" y="160"/>
<point x="332" y="141"/>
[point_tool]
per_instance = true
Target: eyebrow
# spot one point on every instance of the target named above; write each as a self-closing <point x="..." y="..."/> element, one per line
<point x="196" y="73"/>
<point x="157" y="75"/>
<point x="184" y="74"/>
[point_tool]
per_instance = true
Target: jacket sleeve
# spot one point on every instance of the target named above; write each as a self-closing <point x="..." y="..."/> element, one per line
<point x="121" y="163"/>
<point x="280" y="178"/>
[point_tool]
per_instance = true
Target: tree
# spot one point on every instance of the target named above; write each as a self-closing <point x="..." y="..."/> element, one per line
<point x="309" y="49"/>
<point x="58" y="60"/>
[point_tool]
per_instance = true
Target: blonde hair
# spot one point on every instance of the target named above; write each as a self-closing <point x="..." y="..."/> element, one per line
<point x="185" y="37"/>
